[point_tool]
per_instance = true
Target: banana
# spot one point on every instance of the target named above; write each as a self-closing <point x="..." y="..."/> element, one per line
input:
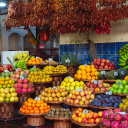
<point x="121" y="61"/>
<point x="126" y="67"/>
<point x="123" y="58"/>
<point x="122" y="64"/>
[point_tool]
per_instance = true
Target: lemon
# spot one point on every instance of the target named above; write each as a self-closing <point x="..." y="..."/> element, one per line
<point x="7" y="78"/>
<point x="43" y="80"/>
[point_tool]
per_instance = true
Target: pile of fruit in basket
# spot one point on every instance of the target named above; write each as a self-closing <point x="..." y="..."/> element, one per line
<point x="53" y="94"/>
<point x="23" y="86"/>
<point x="114" y="119"/>
<point x="87" y="72"/>
<point x="6" y="73"/>
<point x="47" y="62"/>
<point x="120" y="87"/>
<point x="7" y="67"/>
<point x="39" y="77"/>
<point x="55" y="70"/>
<point x="80" y="97"/>
<point x="124" y="105"/>
<point x="103" y="64"/>
<point x="98" y="85"/>
<point x="69" y="84"/>
<point x="87" y="116"/>
<point x="59" y="113"/>
<point x="33" y="106"/>
<point x="35" y="61"/>
<point x="106" y="100"/>
<point x="7" y="90"/>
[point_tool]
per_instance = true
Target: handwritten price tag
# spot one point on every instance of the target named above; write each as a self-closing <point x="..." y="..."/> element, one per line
<point x="50" y="59"/>
<point x="34" y="67"/>
<point x="17" y="69"/>
<point x="102" y="72"/>
<point x="4" y="66"/>
<point x="67" y="61"/>
<point x="21" y="77"/>
<point x="54" y="87"/>
<point x="95" y="81"/>
<point x="108" y="93"/>
<point x="115" y="73"/>
<point x="85" y="65"/>
<point x="78" y="89"/>
<point x="6" y="71"/>
<point x="123" y="113"/>
<point x="68" y="77"/>
<point x="85" y="111"/>
<point x="37" y="98"/>
<point x="118" y="83"/>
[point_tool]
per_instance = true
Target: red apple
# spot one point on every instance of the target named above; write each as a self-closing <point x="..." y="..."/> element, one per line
<point x="76" y="101"/>
<point x="107" y="61"/>
<point x="96" y="66"/>
<point x="83" y="98"/>
<point x="71" y="101"/>
<point x="106" y="67"/>
<point x="81" y="93"/>
<point x="85" y="92"/>
<point x="88" y="84"/>
<point x="111" y="64"/>
<point x="73" y="97"/>
<point x="79" y="119"/>
<point x="113" y="67"/>
<point x="103" y="89"/>
<point x="100" y="67"/>
<point x="99" y="59"/>
<point x="78" y="97"/>
<point x="77" y="93"/>
<point x="85" y="88"/>
<point x="84" y="120"/>
<point x="68" y="100"/>
<point x="94" y="61"/>
<point x="109" y="67"/>
<point x="95" y="85"/>
<point x="100" y="85"/>
<point x="98" y="63"/>
<point x="95" y="115"/>
<point x="91" y="85"/>
<point x="97" y="120"/>
<point x="81" y="102"/>
<point x="102" y="64"/>
<point x="92" y="90"/>
<point x="92" y="96"/>
<point x="88" y="97"/>
<point x="103" y="61"/>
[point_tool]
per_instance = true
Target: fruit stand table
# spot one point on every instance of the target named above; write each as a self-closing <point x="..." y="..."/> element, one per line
<point x="61" y="122"/>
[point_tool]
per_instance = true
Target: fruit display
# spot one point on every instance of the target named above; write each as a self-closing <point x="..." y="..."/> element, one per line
<point x="113" y="74"/>
<point x="50" y="63"/>
<point x="23" y="86"/>
<point x="21" y="64"/>
<point x="53" y="94"/>
<point x="5" y="74"/>
<point x="98" y="86"/>
<point x="34" y="70"/>
<point x="114" y="119"/>
<point x="18" y="73"/>
<point x="106" y="100"/>
<point x="7" y="90"/>
<point x="34" y="61"/>
<point x="86" y="72"/>
<point x="69" y="84"/>
<point x="120" y="87"/>
<point x="39" y="77"/>
<point x="104" y="64"/>
<point x="72" y="60"/>
<point x="7" y="67"/>
<point x="59" y="113"/>
<point x="87" y="116"/>
<point x="33" y="106"/>
<point x="124" y="105"/>
<point x="80" y="97"/>
<point x="55" y="70"/>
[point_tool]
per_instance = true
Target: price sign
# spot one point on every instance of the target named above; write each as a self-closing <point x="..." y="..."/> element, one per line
<point x="6" y="70"/>
<point x="50" y="59"/>
<point x="118" y="83"/>
<point x="68" y="77"/>
<point x="54" y="87"/>
<point x="37" y="98"/>
<point x="85" y="111"/>
<point x="34" y="67"/>
<point x="21" y="77"/>
<point x="78" y="89"/>
<point x="123" y="113"/>
<point x="4" y="66"/>
<point x="95" y="81"/>
<point x="109" y="93"/>
<point x="37" y="57"/>
<point x="17" y="69"/>
<point x="102" y="72"/>
<point x="115" y="73"/>
<point x="67" y="61"/>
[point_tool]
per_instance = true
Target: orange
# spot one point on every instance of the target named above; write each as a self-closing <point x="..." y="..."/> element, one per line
<point x="96" y="73"/>
<point x="31" y="111"/>
<point x="30" y="100"/>
<point x="48" y="106"/>
<point x="83" y="72"/>
<point x="89" y="78"/>
<point x="41" y="108"/>
<point x="35" y="108"/>
<point x="96" y="78"/>
<point x="46" y="110"/>
<point x="39" y="102"/>
<point x="29" y="104"/>
<point x="79" y="72"/>
<point x="34" y="101"/>
<point x="33" y="59"/>
<point x="26" y="103"/>
<point x="75" y="76"/>
<point x="88" y="70"/>
<point x="79" y="76"/>
<point x="93" y="78"/>
<point x="33" y="105"/>
<point x="45" y="104"/>
<point x="37" y="111"/>
<point x="34" y="62"/>
<point x="83" y="68"/>
<point x="30" y="108"/>
<point x="38" y="105"/>
<point x="92" y="74"/>
<point x="41" y="59"/>
<point x="24" y="106"/>
<point x="42" y="105"/>
<point x="29" y="62"/>
<point x="88" y="66"/>
<point x="84" y="77"/>
<point x="88" y="74"/>
<point x="27" y="111"/>
<point x="23" y="111"/>
<point x="42" y="111"/>
<point x="92" y="66"/>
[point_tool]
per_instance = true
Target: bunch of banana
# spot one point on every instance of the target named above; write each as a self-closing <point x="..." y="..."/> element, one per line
<point x="21" y="56"/>
<point x="123" y="50"/>
<point x="124" y="60"/>
<point x="21" y="64"/>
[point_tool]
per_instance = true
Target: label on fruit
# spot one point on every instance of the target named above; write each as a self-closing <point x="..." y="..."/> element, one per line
<point x="21" y="77"/>
<point x="50" y="59"/>
<point x="109" y="93"/>
<point x="34" y="67"/>
<point x="123" y="113"/>
<point x="115" y="73"/>
<point x="102" y="72"/>
<point x="37" y="98"/>
<point x="17" y="69"/>
<point x="78" y="89"/>
<point x="68" y="77"/>
<point x="4" y="66"/>
<point x="54" y="87"/>
<point x="95" y="81"/>
<point x="85" y="111"/>
<point x="118" y="83"/>
<point x="67" y="61"/>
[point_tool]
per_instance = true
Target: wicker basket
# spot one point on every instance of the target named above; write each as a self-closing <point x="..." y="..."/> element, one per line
<point x="35" y="119"/>
<point x="55" y="104"/>
<point x="41" y="86"/>
<point x="72" y="69"/>
<point x="57" y="79"/>
<point x="61" y="122"/>
<point x="84" y="125"/>
<point x="103" y="108"/>
<point x="7" y="110"/>
<point x="22" y="98"/>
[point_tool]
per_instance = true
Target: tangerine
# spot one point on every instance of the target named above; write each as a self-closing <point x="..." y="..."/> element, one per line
<point x="79" y="72"/>
<point x="84" y="77"/>
<point x="37" y="111"/>
<point x="83" y="72"/>
<point x="89" y="78"/>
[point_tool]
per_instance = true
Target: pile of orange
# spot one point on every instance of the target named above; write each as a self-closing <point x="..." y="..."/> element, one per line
<point x="33" y="106"/>
<point x="86" y="72"/>
<point x="34" y="61"/>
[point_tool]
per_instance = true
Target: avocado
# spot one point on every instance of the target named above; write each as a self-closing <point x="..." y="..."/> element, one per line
<point x="100" y="76"/>
<point x="109" y="75"/>
<point x="122" y="73"/>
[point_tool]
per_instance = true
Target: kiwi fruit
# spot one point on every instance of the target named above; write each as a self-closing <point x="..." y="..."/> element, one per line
<point x="52" y="116"/>
<point x="52" y="113"/>
<point x="61" y="109"/>
<point x="67" y="110"/>
<point x="57" y="113"/>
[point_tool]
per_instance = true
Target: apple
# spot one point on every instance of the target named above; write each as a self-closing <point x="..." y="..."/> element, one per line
<point x="107" y="61"/>
<point x="12" y="99"/>
<point x="68" y="84"/>
<point x="8" y="95"/>
<point x="73" y="97"/>
<point x="58" y="94"/>
<point x="119" y="91"/>
<point x="100" y="85"/>
<point x="89" y="93"/>
<point x="98" y="62"/>
<point x="63" y="83"/>
<point x="8" y="85"/>
<point x="97" y="89"/>
<point x="79" y="97"/>
<point x="73" y="84"/>
<point x="16" y="99"/>
<point x="92" y="96"/>
<point x="70" y="95"/>
<point x="91" y="121"/>
<point x="76" y="101"/>
<point x="102" y="64"/>
<point x="125" y="91"/>
<point x="103" y="89"/>
<point x="77" y="87"/>
<point x="82" y="83"/>
<point x="88" y="115"/>
<point x="91" y="85"/>
<point x="109" y="67"/>
<point x="100" y="67"/>
<point x="71" y="80"/>
<point x="79" y="119"/>
<point x="77" y="93"/>
<point x="92" y="90"/>
<point x="95" y="85"/>
<point x="84" y="88"/>
<point x="126" y="87"/>
<point x="97" y="120"/>
<point x="96" y="66"/>
<point x="67" y="88"/>
<point x="107" y="89"/>
<point x="88" y="84"/>
<point x="81" y="102"/>
<point x="106" y="67"/>
<point x="6" y="90"/>
<point x="100" y="113"/>
<point x="83" y="98"/>
<point x="71" y="87"/>
<point x="14" y="94"/>
<point x="71" y="101"/>
<point x="95" y="115"/>
<point x="66" y="80"/>
<point x="12" y="89"/>
<point x="81" y="93"/>
<point x="60" y="99"/>
<point x="68" y="100"/>
<point x="86" y="93"/>
<point x="84" y="120"/>
<point x="105" y="85"/>
<point x="100" y="82"/>
<point x="88" y="97"/>
<point x="2" y="90"/>
<point x="121" y="87"/>
<point x="6" y="99"/>
<point x="2" y="94"/>
<point x="77" y="83"/>
<point x="1" y="99"/>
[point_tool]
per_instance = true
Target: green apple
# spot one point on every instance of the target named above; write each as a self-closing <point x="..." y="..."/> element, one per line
<point x="66" y="80"/>
<point x="125" y="91"/>
<point x="62" y="86"/>
<point x="114" y="91"/>
<point x="6" y="99"/>
<point x="6" y="82"/>
<point x="119" y="91"/>
<point x="2" y="94"/>
<point x="12" y="85"/>
<point x="8" y="85"/>
<point x="77" y="83"/>
<point x="126" y="87"/>
<point x="12" y="99"/>
<point x="71" y="80"/>
<point x="121" y="86"/>
<point x="4" y="86"/>
<point x="67" y="88"/>
<point x="2" y="90"/>
<point x="118" y="82"/>
<point x="8" y="95"/>
<point x="12" y="89"/>
<point x="114" y="86"/>
<point x="68" y="84"/>
<point x="82" y="83"/>
<point x="111" y="89"/>
<point x="14" y="94"/>
<point x="73" y="84"/>
<point x="124" y="82"/>
<point x="71" y="88"/>
<point x="117" y="86"/>
<point x="6" y="90"/>
<point x="16" y="99"/>
<point x="1" y="99"/>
